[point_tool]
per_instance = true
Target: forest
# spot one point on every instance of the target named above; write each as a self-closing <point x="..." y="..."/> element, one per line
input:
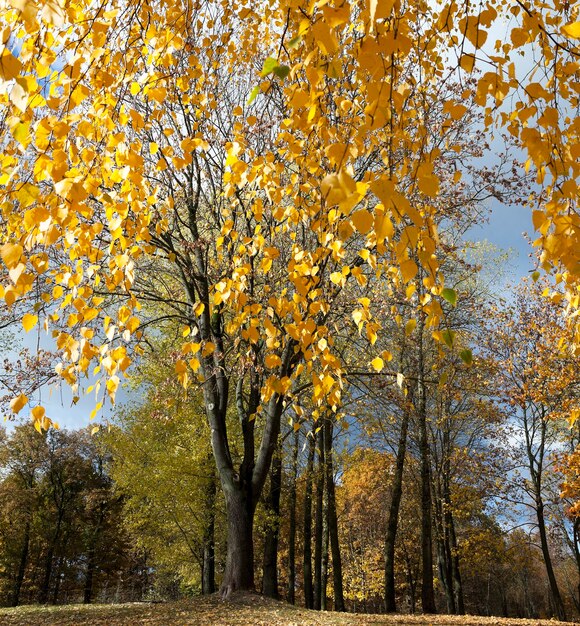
<point x="246" y="231"/>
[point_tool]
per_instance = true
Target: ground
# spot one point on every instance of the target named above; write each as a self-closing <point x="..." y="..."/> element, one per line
<point x="243" y="610"/>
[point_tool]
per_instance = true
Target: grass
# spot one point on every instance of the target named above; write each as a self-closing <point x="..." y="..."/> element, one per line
<point x="242" y="610"/>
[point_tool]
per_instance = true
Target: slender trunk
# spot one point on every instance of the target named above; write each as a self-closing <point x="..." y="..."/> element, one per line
<point x="442" y="538"/>
<point x="208" y="563"/>
<point x="57" y="581"/>
<point x="412" y="584"/>
<point x="427" y="591"/>
<point x="92" y="554"/>
<point x="536" y="465"/>
<point x="44" y="588"/>
<point x="333" y="521"/>
<point x="393" y="518"/>
<point x="324" y="564"/>
<point x="22" y="564"/>
<point x="555" y="597"/>
<point x="455" y="571"/>
<point x="292" y="522"/>
<point x="576" y="545"/>
<point x="307" y="567"/>
<point x="319" y="520"/>
<point x="270" y="566"/>
<point x="89" y="576"/>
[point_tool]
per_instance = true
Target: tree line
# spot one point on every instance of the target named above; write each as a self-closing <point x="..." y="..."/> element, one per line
<point x="346" y="520"/>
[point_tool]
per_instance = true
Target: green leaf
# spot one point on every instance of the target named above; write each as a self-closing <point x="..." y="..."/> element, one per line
<point x="448" y="337"/>
<point x="270" y="64"/>
<point x="294" y="42"/>
<point x="535" y="276"/>
<point x="450" y="295"/>
<point x="281" y="71"/>
<point x="255" y="91"/>
<point x="466" y="356"/>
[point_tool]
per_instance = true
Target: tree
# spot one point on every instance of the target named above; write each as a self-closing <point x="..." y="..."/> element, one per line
<point x="124" y="152"/>
<point x="539" y="384"/>
<point x="60" y="537"/>
<point x="166" y="477"/>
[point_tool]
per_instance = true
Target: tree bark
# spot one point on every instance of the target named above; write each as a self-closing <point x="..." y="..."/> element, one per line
<point x="332" y="519"/>
<point x="455" y="571"/>
<point x="292" y="522"/>
<point x="555" y="596"/>
<point x="270" y="566"/>
<point x="307" y="553"/>
<point x="239" y="571"/>
<point x="89" y="577"/>
<point x="536" y="421"/>
<point x="319" y="520"/>
<point x="427" y="591"/>
<point x="393" y="518"/>
<point x="208" y="562"/>
<point x="325" y="556"/>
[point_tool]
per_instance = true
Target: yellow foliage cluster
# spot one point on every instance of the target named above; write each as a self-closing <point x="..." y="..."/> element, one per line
<point x="101" y="102"/>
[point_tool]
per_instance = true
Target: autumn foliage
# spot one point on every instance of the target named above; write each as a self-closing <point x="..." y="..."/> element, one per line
<point x="250" y="172"/>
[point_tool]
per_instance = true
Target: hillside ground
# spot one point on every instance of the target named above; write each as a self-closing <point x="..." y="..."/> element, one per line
<point x="244" y="610"/>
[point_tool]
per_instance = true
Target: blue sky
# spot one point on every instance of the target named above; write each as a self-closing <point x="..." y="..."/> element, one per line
<point x="506" y="229"/>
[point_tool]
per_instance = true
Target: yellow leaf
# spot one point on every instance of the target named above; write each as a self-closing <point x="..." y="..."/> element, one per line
<point x="378" y="364"/>
<point x="410" y="326"/>
<point x="456" y="111"/>
<point x="18" y="403"/>
<point x="10" y="66"/>
<point x="362" y="220"/>
<point x="572" y="30"/>
<point x="337" y="278"/>
<point x="383" y="227"/>
<point x="11" y="253"/>
<point x="272" y="361"/>
<point x="208" y="348"/>
<point x="29" y="321"/>
<point x="38" y="413"/>
<point x="408" y="270"/>
<point x="467" y="62"/>
<point x="373" y="9"/>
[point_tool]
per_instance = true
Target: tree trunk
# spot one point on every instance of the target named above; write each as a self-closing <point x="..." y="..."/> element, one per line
<point x="89" y="577"/>
<point x="555" y="597"/>
<point x="44" y="588"/>
<point x="332" y="520"/>
<point x="455" y="571"/>
<point x="307" y="555"/>
<point x="239" y="572"/>
<point x="57" y="581"/>
<point x="292" y="522"/>
<point x="22" y="565"/>
<point x="427" y="591"/>
<point x="324" y="563"/>
<point x="319" y="520"/>
<point x="442" y="539"/>
<point x="270" y="566"/>
<point x="393" y="518"/>
<point x="208" y="564"/>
